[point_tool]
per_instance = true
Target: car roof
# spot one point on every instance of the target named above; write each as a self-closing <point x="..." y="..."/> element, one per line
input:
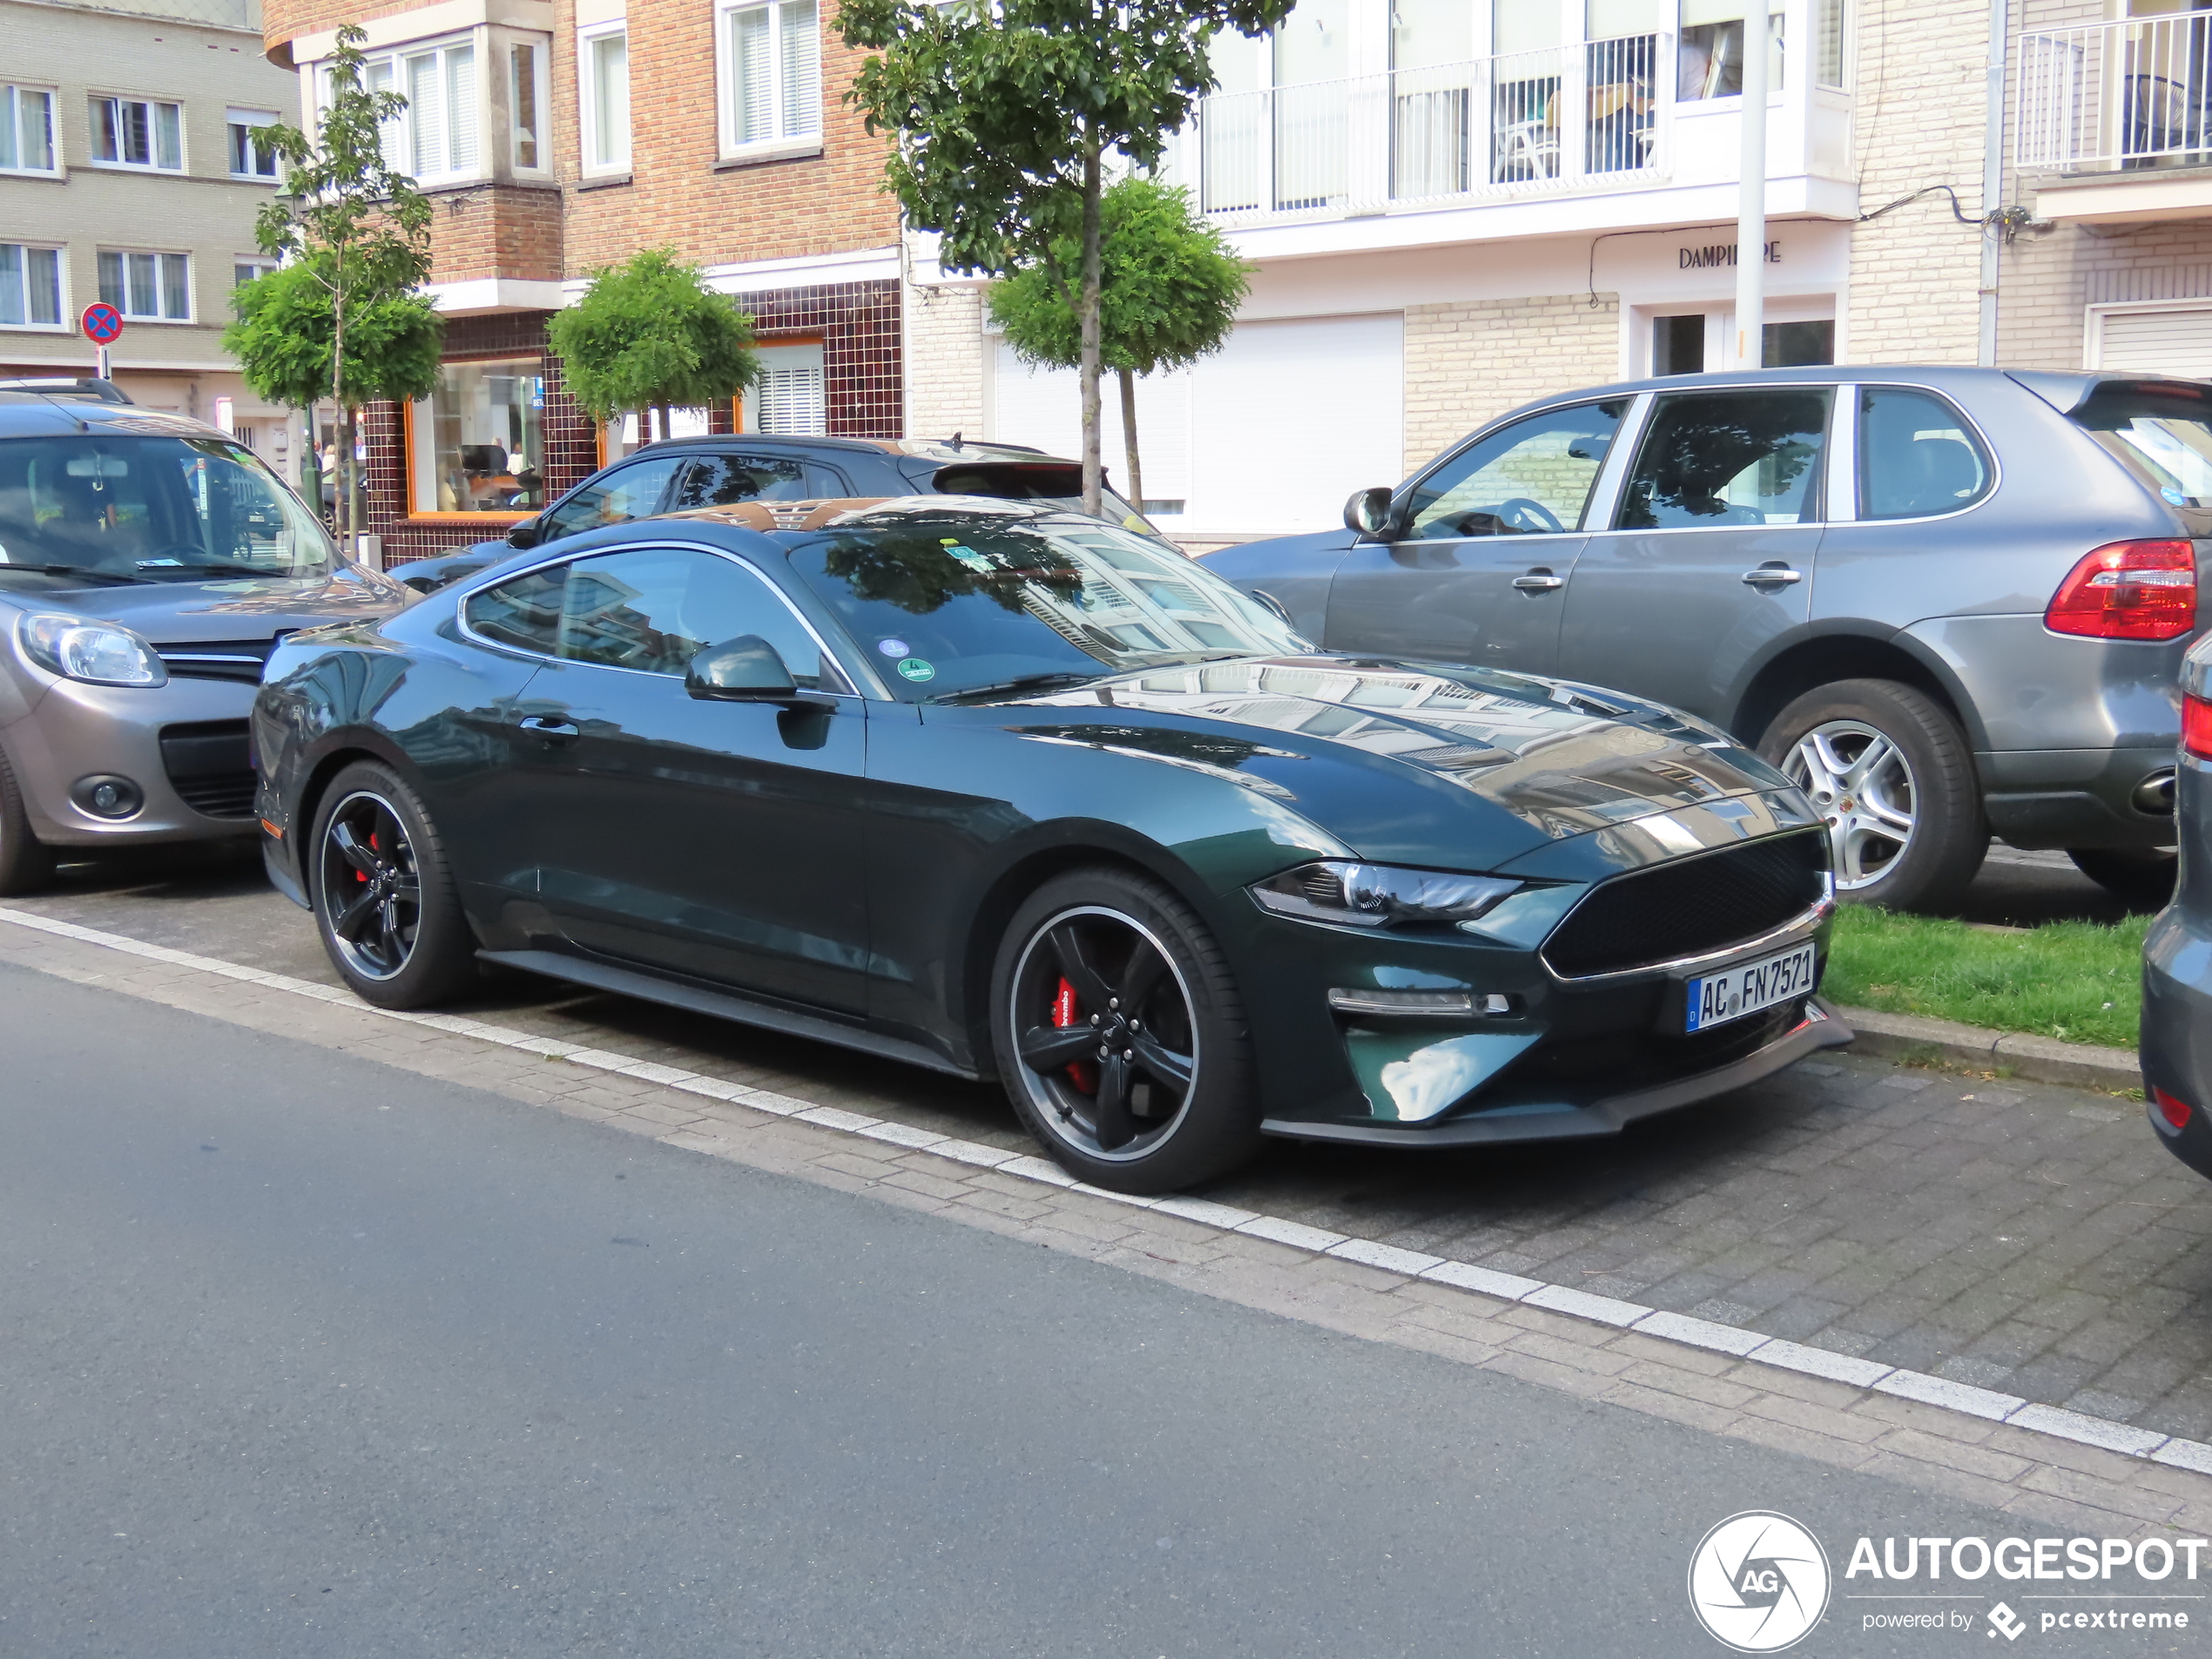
<point x="27" y="414"/>
<point x="945" y="450"/>
<point x="2062" y="389"/>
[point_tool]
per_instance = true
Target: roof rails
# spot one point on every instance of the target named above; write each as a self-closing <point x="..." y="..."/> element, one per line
<point x="82" y="386"/>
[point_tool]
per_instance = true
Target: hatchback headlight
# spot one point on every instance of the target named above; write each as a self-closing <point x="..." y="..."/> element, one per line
<point x="1376" y="895"/>
<point x="101" y="653"/>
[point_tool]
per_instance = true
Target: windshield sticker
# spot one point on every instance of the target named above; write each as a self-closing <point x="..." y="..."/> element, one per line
<point x="967" y="555"/>
<point x="915" y="668"/>
<point x="157" y="564"/>
<point x="891" y="647"/>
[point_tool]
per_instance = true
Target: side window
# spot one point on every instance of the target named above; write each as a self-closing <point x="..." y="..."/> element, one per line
<point x="630" y="492"/>
<point x="525" y="613"/>
<point x="823" y="484"/>
<point x="1915" y="455"/>
<point x="654" y="609"/>
<point x="723" y="480"/>
<point x="1534" y="476"/>
<point x="1712" y="459"/>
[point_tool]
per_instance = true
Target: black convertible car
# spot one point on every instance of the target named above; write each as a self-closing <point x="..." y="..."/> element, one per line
<point x="996" y="789"/>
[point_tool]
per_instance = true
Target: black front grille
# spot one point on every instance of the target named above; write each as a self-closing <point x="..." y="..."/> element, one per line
<point x="216" y="659"/>
<point x="209" y="767"/>
<point x="1690" y="905"/>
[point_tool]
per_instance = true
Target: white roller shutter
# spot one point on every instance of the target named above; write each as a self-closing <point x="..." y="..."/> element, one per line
<point x="1043" y="408"/>
<point x="2170" y="341"/>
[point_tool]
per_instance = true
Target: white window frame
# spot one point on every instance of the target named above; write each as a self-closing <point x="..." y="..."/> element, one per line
<point x="589" y="114"/>
<point x="233" y="118"/>
<point x="191" y="307"/>
<point x="400" y="133"/>
<point x="262" y="265"/>
<point x="62" y="321"/>
<point x="542" y="91"/>
<point x="787" y="367"/>
<point x="11" y="95"/>
<point x="782" y="142"/>
<point x="92" y="144"/>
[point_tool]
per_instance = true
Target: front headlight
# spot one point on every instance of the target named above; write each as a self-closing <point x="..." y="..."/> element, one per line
<point x="101" y="653"/>
<point x="1376" y="895"/>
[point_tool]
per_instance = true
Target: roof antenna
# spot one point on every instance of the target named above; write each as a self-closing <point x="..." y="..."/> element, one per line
<point x="955" y="439"/>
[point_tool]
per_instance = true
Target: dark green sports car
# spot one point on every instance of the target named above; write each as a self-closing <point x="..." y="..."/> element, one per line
<point x="999" y="790"/>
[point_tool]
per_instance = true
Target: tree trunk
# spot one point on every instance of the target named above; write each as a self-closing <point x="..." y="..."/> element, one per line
<point x="1089" y="312"/>
<point x="1136" y="475"/>
<point x="349" y="479"/>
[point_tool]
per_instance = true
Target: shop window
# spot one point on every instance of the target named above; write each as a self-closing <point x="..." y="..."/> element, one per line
<point x="604" y="87"/>
<point x="772" y="72"/>
<point x="250" y="156"/>
<point x="26" y="130"/>
<point x="434" y="137"/>
<point x="523" y="61"/>
<point x="790" y="398"/>
<point x="1678" y="344"/>
<point x="31" y="286"/>
<point x="1797" y="344"/>
<point x="479" y="439"/>
<point x="147" y="288"/>
<point x="1711" y="51"/>
<point x="137" y="133"/>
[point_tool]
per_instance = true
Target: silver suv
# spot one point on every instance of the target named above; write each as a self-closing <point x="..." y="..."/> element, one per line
<point x="1948" y="602"/>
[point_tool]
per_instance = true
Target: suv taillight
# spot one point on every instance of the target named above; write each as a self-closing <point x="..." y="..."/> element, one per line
<point x="2196" y="727"/>
<point x="2128" y="591"/>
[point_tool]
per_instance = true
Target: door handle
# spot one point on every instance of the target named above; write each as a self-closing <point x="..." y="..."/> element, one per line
<point x="1779" y="573"/>
<point x="550" y="727"/>
<point x="1539" y="581"/>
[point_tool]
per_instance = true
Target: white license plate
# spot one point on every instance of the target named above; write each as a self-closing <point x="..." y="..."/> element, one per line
<point x="1715" y="999"/>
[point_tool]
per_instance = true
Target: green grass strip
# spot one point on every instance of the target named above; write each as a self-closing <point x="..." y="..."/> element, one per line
<point x="2078" y="982"/>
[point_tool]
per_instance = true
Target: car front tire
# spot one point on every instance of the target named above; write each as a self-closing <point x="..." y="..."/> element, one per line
<point x="1117" y="1027"/>
<point x="383" y="894"/>
<point x="1891" y="771"/>
<point x="26" y="863"/>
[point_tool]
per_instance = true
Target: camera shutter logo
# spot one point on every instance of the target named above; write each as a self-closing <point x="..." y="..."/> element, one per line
<point x="1758" y="1581"/>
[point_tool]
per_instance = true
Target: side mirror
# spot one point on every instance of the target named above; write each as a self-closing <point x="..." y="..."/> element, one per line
<point x="523" y="534"/>
<point x="1368" y="513"/>
<point x="744" y="669"/>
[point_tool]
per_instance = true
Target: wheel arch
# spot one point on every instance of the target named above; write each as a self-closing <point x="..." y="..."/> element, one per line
<point x="342" y="749"/>
<point x="1845" y="653"/>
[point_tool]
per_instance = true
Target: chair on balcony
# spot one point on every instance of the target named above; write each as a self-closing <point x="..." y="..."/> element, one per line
<point x="2161" y="119"/>
<point x="1526" y="133"/>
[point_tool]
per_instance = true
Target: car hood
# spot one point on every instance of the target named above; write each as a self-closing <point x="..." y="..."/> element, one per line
<point x="1413" y="762"/>
<point x="255" y="608"/>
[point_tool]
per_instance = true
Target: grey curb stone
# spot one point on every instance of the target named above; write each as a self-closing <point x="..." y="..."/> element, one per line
<point x="2045" y="1060"/>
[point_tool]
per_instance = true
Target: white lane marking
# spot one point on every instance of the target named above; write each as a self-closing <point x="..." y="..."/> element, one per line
<point x="1939" y="1392"/>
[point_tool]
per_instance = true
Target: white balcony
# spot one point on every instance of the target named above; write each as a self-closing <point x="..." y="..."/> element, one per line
<point x="2117" y="117"/>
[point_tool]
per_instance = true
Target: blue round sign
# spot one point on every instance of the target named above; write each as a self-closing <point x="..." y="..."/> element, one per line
<point x="102" y="324"/>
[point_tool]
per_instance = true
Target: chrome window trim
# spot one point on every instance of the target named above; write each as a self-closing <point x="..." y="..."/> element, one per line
<point x="1819" y="522"/>
<point x="461" y="614"/>
<point x="1802" y="924"/>
<point x="1966" y="423"/>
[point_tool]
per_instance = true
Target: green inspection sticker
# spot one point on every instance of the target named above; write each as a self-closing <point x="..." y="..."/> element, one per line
<point x="916" y="668"/>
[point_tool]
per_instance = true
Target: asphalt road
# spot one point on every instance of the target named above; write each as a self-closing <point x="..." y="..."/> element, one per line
<point x="307" y="1356"/>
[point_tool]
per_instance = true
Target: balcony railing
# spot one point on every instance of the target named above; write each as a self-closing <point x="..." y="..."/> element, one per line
<point x="2135" y="93"/>
<point x="1571" y="118"/>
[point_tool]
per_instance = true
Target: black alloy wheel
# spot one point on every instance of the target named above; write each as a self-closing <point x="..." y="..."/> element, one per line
<point x="382" y="895"/>
<point x="1119" y="1034"/>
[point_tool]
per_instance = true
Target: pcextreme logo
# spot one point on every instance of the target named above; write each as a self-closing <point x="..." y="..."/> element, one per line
<point x="1758" y="1581"/>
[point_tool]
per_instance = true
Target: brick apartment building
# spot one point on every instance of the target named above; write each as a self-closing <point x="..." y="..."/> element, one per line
<point x="557" y="136"/>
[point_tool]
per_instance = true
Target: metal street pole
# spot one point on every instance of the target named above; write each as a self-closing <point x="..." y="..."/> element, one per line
<point x="1750" y="213"/>
<point x="102" y="367"/>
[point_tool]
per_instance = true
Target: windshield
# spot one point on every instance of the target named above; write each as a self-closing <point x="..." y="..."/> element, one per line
<point x="139" y="509"/>
<point x="2164" y="434"/>
<point x="949" y="605"/>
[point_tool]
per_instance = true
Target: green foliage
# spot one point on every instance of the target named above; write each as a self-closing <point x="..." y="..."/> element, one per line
<point x="285" y="338"/>
<point x="2078" y="982"/>
<point x="1169" y="291"/>
<point x="651" y="335"/>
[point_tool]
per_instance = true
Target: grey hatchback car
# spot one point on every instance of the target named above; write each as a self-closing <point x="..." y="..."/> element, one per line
<point x="1948" y="602"/>
<point x="148" y="564"/>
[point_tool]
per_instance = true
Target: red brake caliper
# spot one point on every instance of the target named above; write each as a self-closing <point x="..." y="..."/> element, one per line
<point x="1063" y="1014"/>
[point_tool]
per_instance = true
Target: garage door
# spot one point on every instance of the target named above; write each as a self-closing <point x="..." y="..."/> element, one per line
<point x="2170" y="341"/>
<point x="1267" y="436"/>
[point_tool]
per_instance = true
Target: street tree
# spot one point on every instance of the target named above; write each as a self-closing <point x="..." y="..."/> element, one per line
<point x="1008" y="113"/>
<point x="650" y="335"/>
<point x="1169" y="289"/>
<point x="360" y="231"/>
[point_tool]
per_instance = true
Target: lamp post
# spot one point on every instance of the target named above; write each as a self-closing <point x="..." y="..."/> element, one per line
<point x="1751" y="211"/>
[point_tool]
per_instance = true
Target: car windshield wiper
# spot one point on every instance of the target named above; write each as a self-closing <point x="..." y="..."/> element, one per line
<point x="77" y="570"/>
<point x="212" y="567"/>
<point x="1027" y="683"/>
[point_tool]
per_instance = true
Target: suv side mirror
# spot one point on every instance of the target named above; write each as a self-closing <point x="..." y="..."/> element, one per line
<point x="523" y="534"/>
<point x="744" y="669"/>
<point x="1368" y="513"/>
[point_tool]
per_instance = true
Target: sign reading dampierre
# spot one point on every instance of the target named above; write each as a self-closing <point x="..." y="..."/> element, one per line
<point x="1700" y="258"/>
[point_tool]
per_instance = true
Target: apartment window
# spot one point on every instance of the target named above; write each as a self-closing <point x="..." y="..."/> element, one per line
<point x="244" y="270"/>
<point x="31" y="286"/>
<point x="789" y="397"/>
<point x="479" y="439"/>
<point x="435" y="135"/>
<point x="605" y="86"/>
<point x="250" y="156"/>
<point x="523" y="65"/>
<point x="1711" y="51"/>
<point x="147" y="288"/>
<point x="26" y="130"/>
<point x="1828" y="42"/>
<point x="137" y="133"/>
<point x="772" y="65"/>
